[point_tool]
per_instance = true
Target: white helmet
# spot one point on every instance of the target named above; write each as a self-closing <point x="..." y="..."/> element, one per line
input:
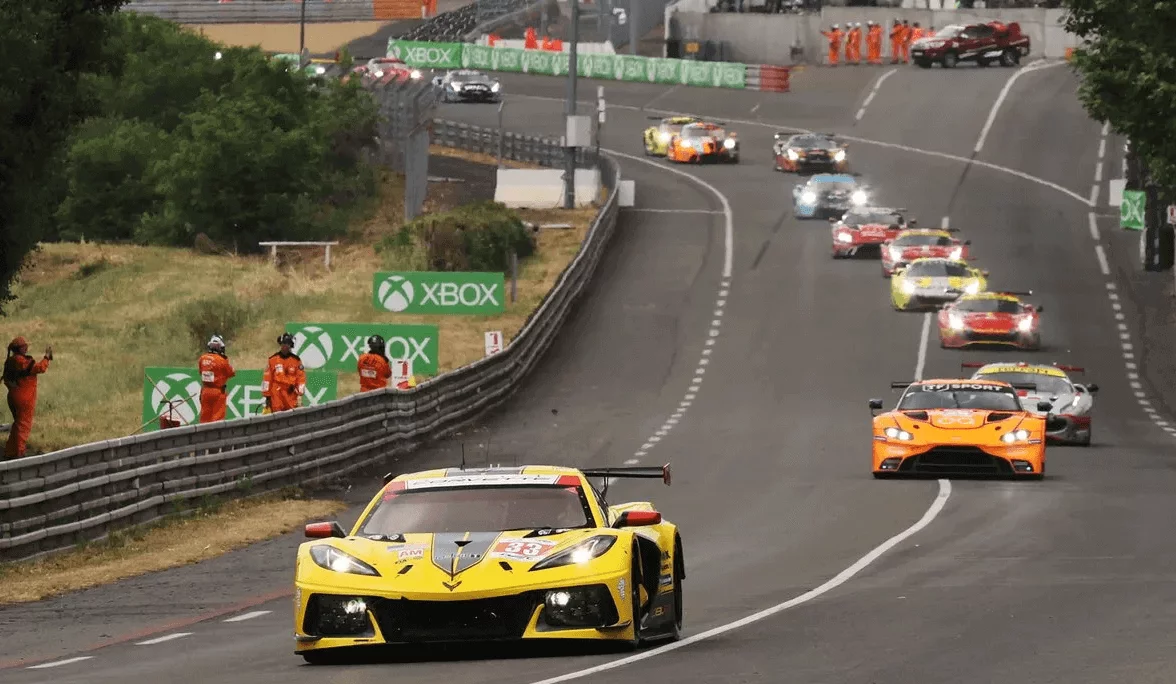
<point x="835" y="26"/>
<point x="216" y="343"/>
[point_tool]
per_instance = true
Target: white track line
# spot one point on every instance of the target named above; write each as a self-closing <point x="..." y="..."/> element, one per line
<point x="248" y="616"/>
<point x="1093" y="221"/>
<point x="873" y="91"/>
<point x="1101" y="255"/>
<point x="58" y="663"/>
<point x="1094" y="195"/>
<point x="945" y="222"/>
<point x="1004" y="92"/>
<point x="166" y="637"/>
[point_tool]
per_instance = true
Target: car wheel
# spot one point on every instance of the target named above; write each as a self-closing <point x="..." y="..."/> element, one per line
<point x="982" y="62"/>
<point x="950" y="59"/>
<point x="1010" y="58"/>
<point x="883" y="476"/>
<point x="925" y="63"/>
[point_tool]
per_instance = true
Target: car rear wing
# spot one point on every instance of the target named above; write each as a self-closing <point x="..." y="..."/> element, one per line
<point x="1068" y="369"/>
<point x="1015" y="293"/>
<point x="659" y="472"/>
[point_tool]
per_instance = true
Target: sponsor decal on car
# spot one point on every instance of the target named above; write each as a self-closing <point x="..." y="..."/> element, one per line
<point x="522" y="549"/>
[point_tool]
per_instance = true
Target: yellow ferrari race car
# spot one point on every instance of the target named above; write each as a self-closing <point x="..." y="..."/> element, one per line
<point x="657" y="138"/>
<point x="930" y="282"/>
<point x="491" y="554"/>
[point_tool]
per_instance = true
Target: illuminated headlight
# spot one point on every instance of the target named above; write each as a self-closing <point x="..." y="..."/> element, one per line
<point x="379" y="74"/>
<point x="331" y="558"/>
<point x="895" y="253"/>
<point x="808" y="197"/>
<point x="583" y="552"/>
<point x="663" y="137"/>
<point x="494" y="88"/>
<point x="414" y="74"/>
<point x="972" y="287"/>
<point x="1075" y="401"/>
<point x="957" y="253"/>
<point x="1015" y="436"/>
<point x="320" y="70"/>
<point x="860" y="197"/>
<point x="792" y="155"/>
<point x="844" y="237"/>
<point x="839" y="156"/>
<point x="456" y="85"/>
<point x="900" y="435"/>
<point x="729" y="143"/>
<point x="956" y="322"/>
<point x="908" y="287"/>
<point x="1026" y="324"/>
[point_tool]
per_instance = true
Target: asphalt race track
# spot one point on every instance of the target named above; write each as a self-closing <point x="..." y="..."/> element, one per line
<point x="753" y="383"/>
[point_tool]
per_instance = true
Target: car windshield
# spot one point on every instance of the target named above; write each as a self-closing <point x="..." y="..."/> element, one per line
<point x="480" y="509"/>
<point x="832" y="185"/>
<point x="1046" y="384"/>
<point x="923" y="240"/>
<point x="812" y="141"/>
<point x="468" y="75"/>
<point x="701" y="132"/>
<point x="857" y="217"/>
<point x="988" y="306"/>
<point x="937" y="269"/>
<point x="960" y="395"/>
<point x="949" y="31"/>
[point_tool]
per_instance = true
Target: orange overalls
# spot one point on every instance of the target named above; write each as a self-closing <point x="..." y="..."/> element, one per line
<point x="853" y="46"/>
<point x="20" y="377"/>
<point x="374" y="372"/>
<point x="215" y="371"/>
<point x="874" y="44"/>
<point x="897" y="35"/>
<point x="908" y="36"/>
<point x="284" y="382"/>
<point x="834" y="37"/>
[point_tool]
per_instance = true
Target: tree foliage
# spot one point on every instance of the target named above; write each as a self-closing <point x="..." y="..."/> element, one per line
<point x="1128" y="68"/>
<point x="45" y="48"/>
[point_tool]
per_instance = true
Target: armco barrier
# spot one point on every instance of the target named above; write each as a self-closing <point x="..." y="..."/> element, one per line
<point x="53" y="501"/>
<point x="773" y="79"/>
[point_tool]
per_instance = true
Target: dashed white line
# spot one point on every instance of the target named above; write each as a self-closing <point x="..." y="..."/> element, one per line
<point x="924" y="336"/>
<point x="1106" y="128"/>
<point x="59" y="663"/>
<point x="945" y="222"/>
<point x="1092" y="220"/>
<point x="1098" y="172"/>
<point x="1102" y="148"/>
<point x="1102" y="260"/>
<point x="873" y="91"/>
<point x="1094" y="195"/>
<point x="248" y="616"/>
<point x="166" y="637"/>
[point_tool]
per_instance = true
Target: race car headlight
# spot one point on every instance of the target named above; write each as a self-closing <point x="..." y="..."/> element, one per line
<point x="896" y="433"/>
<point x="808" y="197"/>
<point x="956" y="322"/>
<point x="1026" y="324"/>
<point x="844" y="237"/>
<point x="663" y="137"/>
<point x="793" y="155"/>
<point x="414" y="74"/>
<point x="456" y="85"/>
<point x="839" y="156"/>
<point x="331" y="558"/>
<point x="956" y="253"/>
<point x="972" y="287"/>
<point x="379" y="74"/>
<point x="583" y="552"/>
<point x="908" y="287"/>
<point x="895" y="253"/>
<point x="1015" y="436"/>
<point x="729" y="144"/>
<point x="320" y="70"/>
<point x="860" y="197"/>
<point x="494" y="88"/>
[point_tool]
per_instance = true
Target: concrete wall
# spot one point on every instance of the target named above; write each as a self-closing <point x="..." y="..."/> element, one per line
<point x="769" y="38"/>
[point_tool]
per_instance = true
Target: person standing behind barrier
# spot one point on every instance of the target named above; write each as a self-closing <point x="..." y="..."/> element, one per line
<point x="916" y="33"/>
<point x="896" y="37"/>
<point x="20" y="377"/>
<point x="215" y="371"/>
<point x="853" y="44"/>
<point x="906" y="41"/>
<point x="873" y="43"/>
<point x="284" y="380"/>
<point x="374" y="371"/>
<point x="834" y="35"/>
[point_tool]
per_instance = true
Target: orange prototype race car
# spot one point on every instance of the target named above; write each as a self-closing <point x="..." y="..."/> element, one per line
<point x="703" y="142"/>
<point x="959" y="427"/>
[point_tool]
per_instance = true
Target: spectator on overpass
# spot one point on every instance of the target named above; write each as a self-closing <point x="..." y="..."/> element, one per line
<point x="20" y="377"/>
<point x="215" y="371"/>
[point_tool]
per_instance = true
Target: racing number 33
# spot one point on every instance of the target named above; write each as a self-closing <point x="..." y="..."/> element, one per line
<point x="522" y="550"/>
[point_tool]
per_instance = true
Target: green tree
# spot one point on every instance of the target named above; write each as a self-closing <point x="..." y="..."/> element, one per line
<point x="45" y="47"/>
<point x="1128" y="69"/>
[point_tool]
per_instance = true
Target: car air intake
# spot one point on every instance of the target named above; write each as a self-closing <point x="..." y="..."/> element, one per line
<point x="995" y="417"/>
<point x="916" y="415"/>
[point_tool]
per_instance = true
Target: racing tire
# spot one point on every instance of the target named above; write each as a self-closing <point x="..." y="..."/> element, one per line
<point x="883" y="476"/>
<point x="950" y="59"/>
<point x="1010" y="58"/>
<point x="924" y="63"/>
<point x="981" y="62"/>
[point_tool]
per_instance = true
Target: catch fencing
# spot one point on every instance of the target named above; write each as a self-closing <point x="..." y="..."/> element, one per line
<point x="54" y="501"/>
<point x="406" y="111"/>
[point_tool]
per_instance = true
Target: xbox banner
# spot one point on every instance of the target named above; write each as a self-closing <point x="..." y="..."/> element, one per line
<point x="338" y="346"/>
<point x="181" y="388"/>
<point x="439" y="292"/>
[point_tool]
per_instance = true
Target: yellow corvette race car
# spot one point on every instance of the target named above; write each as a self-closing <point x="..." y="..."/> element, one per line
<point x="491" y="554"/>
<point x="657" y="138"/>
<point x="927" y="283"/>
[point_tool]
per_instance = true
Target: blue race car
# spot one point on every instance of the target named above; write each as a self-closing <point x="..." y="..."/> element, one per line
<point x="828" y="195"/>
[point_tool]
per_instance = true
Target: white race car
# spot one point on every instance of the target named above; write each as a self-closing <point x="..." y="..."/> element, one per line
<point x="1068" y="421"/>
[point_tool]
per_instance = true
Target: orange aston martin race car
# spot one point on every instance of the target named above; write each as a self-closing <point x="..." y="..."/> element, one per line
<point x="959" y="427"/>
<point x="703" y="142"/>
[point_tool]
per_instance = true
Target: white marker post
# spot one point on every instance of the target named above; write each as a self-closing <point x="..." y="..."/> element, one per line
<point x="493" y="342"/>
<point x="401" y="371"/>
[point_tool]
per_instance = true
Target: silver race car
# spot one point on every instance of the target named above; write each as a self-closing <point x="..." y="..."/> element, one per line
<point x="1068" y="421"/>
<point x="467" y="85"/>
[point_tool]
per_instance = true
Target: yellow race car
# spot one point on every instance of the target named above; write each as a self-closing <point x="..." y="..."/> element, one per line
<point x="930" y="282"/>
<point x="491" y="554"/>
<point x="657" y="138"/>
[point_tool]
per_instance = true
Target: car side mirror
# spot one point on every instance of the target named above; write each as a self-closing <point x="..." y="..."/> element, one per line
<point x="638" y="519"/>
<point x="832" y="220"/>
<point x="1040" y="308"/>
<point x="875" y="404"/>
<point x="912" y="222"/>
<point x="437" y="81"/>
<point x="984" y="273"/>
<point x="324" y="530"/>
<point x="967" y="242"/>
<point x="1092" y="388"/>
<point x="1044" y="406"/>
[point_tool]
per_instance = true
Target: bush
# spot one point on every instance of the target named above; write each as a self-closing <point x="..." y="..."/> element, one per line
<point x="222" y="315"/>
<point x="474" y="237"/>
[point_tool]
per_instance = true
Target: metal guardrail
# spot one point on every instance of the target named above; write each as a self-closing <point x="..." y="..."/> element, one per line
<point x="253" y="11"/>
<point x="515" y="147"/>
<point x="54" y="501"/>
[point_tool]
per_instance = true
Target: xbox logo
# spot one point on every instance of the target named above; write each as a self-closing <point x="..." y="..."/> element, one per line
<point x="395" y="293"/>
<point x="314" y="346"/>
<point x="182" y="386"/>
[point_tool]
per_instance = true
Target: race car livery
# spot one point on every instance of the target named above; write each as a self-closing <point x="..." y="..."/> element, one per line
<point x="809" y="152"/>
<point x="491" y="554"/>
<point x="827" y="195"/>
<point x="863" y="230"/>
<point x="703" y="142"/>
<point x="990" y="318"/>
<point x="958" y="427"/>
<point x="378" y="66"/>
<point x="1068" y="420"/>
<point x="921" y="243"/>
<point x="932" y="282"/>
<point x="468" y="85"/>
<point x="980" y="43"/>
<point x="657" y="138"/>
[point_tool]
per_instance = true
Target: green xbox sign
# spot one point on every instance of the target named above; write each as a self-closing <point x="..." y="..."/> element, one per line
<point x="338" y="346"/>
<point x="181" y="388"/>
<point x="432" y="292"/>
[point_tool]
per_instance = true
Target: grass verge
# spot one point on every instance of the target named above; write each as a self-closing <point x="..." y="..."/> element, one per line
<point x="209" y="532"/>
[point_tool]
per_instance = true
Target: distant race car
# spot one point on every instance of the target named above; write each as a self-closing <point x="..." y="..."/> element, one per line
<point x="657" y="138"/>
<point x="863" y="230"/>
<point x="929" y="283"/>
<point x="980" y="43"/>
<point x="1068" y="420"/>
<point x="703" y="141"/>
<point x="958" y="427"/>
<point x="990" y="318"/>
<point x="376" y="65"/>
<point x="491" y="554"/>
<point x="468" y="85"/>
<point x="809" y="152"/>
<point x="919" y="243"/>
<point x="828" y="195"/>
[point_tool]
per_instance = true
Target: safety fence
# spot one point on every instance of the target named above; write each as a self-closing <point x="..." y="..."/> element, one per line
<point x="773" y="79"/>
<point x="57" y="500"/>
<point x="406" y="112"/>
<point x="452" y="25"/>
<point x="522" y="148"/>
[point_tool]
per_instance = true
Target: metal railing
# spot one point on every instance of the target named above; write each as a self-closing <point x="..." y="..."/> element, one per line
<point x="54" y="501"/>
<point x="515" y="147"/>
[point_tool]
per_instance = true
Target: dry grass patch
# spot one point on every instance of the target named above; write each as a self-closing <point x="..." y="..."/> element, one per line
<point x="204" y="535"/>
<point x="479" y="158"/>
<point x="321" y="37"/>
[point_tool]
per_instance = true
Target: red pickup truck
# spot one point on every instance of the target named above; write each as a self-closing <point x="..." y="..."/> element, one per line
<point x="979" y="43"/>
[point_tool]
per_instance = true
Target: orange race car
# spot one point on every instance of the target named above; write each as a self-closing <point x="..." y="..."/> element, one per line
<point x="959" y="427"/>
<point x="702" y="142"/>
